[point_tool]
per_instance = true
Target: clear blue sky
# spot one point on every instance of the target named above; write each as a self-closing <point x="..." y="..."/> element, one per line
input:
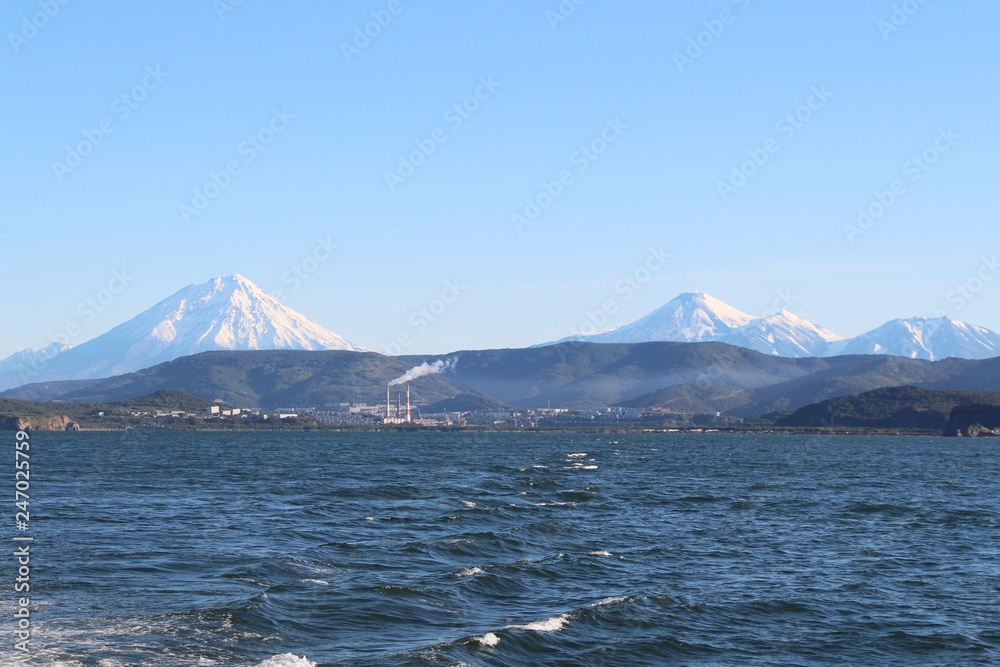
<point x="678" y="129"/>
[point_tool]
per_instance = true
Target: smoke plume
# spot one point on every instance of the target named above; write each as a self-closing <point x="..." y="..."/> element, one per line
<point x="439" y="366"/>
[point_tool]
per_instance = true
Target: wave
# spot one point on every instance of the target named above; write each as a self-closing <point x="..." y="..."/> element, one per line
<point x="488" y="639"/>
<point x="553" y="624"/>
<point x="609" y="601"/>
<point x="724" y="552"/>
<point x="287" y="660"/>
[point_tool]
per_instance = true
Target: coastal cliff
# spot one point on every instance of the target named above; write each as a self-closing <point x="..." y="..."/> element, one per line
<point x="973" y="421"/>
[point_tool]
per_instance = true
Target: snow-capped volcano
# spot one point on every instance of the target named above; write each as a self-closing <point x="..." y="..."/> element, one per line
<point x="925" y="338"/>
<point x="784" y="335"/>
<point x="693" y="316"/>
<point x="223" y="314"/>
<point x="21" y="366"/>
<point x="689" y="317"/>
<point x="226" y="314"/>
<point x="697" y="317"/>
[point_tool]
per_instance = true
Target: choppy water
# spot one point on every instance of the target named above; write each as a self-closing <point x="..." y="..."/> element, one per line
<point x="428" y="549"/>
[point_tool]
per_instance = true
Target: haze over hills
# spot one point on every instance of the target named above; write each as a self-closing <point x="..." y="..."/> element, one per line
<point x="259" y="378"/>
<point x="682" y="377"/>
<point x="229" y="313"/>
<point x="699" y="317"/>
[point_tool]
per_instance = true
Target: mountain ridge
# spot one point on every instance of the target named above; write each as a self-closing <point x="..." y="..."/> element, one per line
<point x="698" y="317"/>
<point x="232" y="313"/>
<point x="683" y="377"/>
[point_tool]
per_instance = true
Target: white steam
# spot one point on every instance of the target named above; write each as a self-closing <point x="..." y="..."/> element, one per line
<point x="439" y="366"/>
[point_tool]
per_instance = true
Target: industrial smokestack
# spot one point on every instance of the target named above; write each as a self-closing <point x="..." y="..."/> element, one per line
<point x="408" y="419"/>
<point x="387" y="414"/>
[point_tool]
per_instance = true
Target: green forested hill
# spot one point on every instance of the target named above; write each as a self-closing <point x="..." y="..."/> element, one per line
<point x="58" y="415"/>
<point x="891" y="407"/>
<point x="682" y="377"/>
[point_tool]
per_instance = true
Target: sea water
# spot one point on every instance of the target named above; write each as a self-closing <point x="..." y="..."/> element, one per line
<point x="297" y="549"/>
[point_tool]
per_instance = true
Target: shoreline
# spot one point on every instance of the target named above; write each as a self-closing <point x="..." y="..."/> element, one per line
<point x="787" y="431"/>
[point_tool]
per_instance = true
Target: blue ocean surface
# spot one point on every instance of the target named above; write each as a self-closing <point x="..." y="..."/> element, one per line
<point x="409" y="549"/>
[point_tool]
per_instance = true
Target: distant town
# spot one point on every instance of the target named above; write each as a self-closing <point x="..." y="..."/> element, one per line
<point x="367" y="415"/>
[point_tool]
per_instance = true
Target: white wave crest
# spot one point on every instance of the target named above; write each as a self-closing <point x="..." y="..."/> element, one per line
<point x="553" y="624"/>
<point x="607" y="601"/>
<point x="287" y="660"/>
<point x="489" y="639"/>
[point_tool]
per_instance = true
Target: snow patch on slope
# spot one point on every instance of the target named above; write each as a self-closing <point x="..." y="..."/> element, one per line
<point x="926" y="338"/>
<point x="783" y="334"/>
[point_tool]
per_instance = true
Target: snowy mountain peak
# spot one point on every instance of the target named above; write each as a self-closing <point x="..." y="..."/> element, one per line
<point x="48" y="352"/>
<point x="22" y="366"/>
<point x="230" y="313"/>
<point x="696" y="304"/>
<point x="789" y="319"/>
<point x="688" y="317"/>
<point x="697" y="317"/>
<point x="927" y="338"/>
<point x="225" y="313"/>
<point x="783" y="334"/>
